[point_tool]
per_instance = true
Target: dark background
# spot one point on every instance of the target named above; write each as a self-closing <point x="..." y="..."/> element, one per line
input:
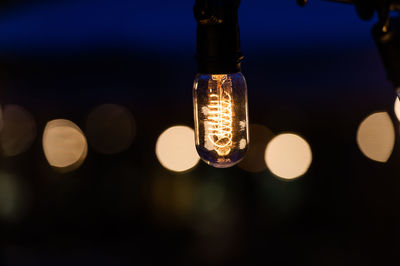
<point x="312" y="70"/>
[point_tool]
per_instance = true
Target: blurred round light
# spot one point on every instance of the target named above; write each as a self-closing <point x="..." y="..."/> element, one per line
<point x="397" y="108"/>
<point x="19" y="130"/>
<point x="110" y="128"/>
<point x="210" y="196"/>
<point x="376" y="137"/>
<point x="64" y="144"/>
<point x="175" y="149"/>
<point x="288" y="156"/>
<point x="13" y="197"/>
<point x="259" y="138"/>
<point x="172" y="195"/>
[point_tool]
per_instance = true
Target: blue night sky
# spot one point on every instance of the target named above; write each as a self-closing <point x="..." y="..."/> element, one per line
<point x="66" y="26"/>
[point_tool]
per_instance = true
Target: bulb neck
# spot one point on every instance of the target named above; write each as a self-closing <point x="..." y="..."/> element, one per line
<point x="218" y="37"/>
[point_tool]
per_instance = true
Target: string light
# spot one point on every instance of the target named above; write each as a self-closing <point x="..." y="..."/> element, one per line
<point x="175" y="149"/>
<point x="64" y="145"/>
<point x="220" y="91"/>
<point x="288" y="156"/>
<point x="376" y="137"/>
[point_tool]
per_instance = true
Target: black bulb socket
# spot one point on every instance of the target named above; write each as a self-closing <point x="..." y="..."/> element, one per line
<point x="387" y="40"/>
<point x="218" y="37"/>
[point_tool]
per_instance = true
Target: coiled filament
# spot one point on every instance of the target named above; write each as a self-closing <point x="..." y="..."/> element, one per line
<point x="220" y="115"/>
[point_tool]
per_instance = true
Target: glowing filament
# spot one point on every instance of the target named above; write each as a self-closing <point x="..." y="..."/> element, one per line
<point x="220" y="114"/>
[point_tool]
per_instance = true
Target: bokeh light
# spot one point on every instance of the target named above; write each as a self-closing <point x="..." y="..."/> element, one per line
<point x="186" y="197"/>
<point x="376" y="137"/>
<point x="254" y="161"/>
<point x="175" y="149"/>
<point x="397" y="108"/>
<point x="210" y="196"/>
<point x="288" y="156"/>
<point x="110" y="128"/>
<point x="19" y="130"/>
<point x="64" y="145"/>
<point x="172" y="196"/>
<point x="14" y="197"/>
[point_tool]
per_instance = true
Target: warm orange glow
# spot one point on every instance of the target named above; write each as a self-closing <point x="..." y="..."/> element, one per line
<point x="376" y="137"/>
<point x="220" y="114"/>
<point x="288" y="156"/>
<point x="175" y="149"/>
<point x="64" y="144"/>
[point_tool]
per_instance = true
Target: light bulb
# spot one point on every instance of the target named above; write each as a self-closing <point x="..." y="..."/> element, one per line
<point x="221" y="118"/>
